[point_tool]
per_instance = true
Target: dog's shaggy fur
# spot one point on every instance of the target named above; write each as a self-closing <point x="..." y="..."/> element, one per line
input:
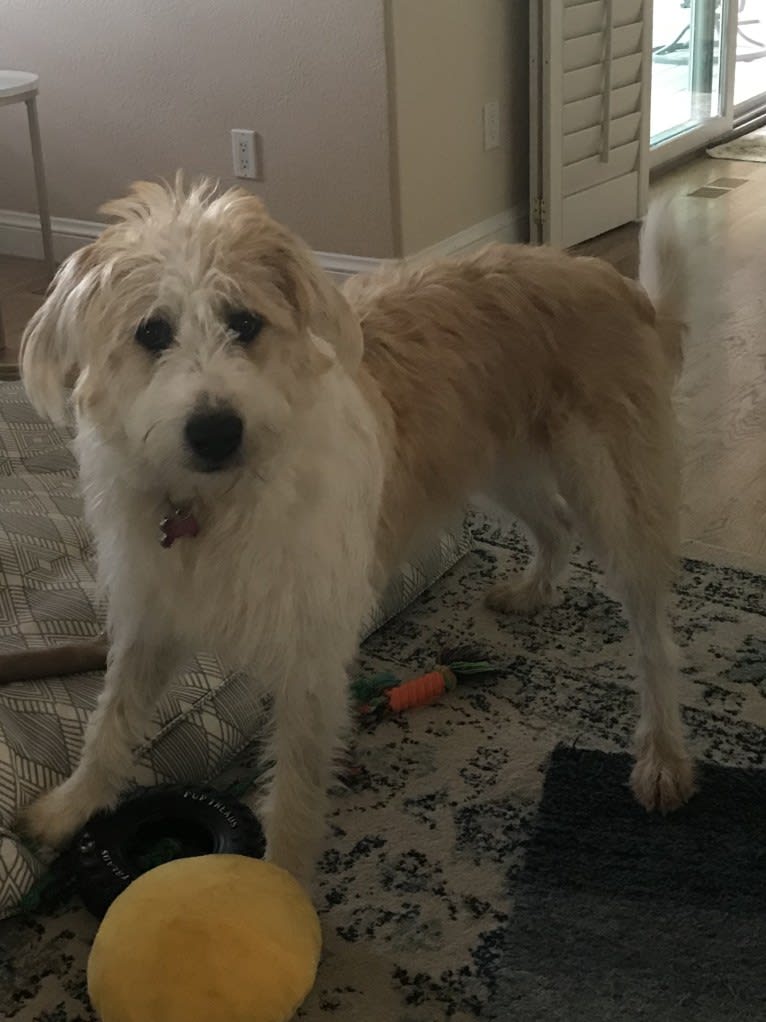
<point x="541" y="379"/>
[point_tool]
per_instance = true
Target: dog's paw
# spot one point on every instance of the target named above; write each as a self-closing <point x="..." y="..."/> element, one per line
<point x="662" y="784"/>
<point x="522" y="595"/>
<point x="54" y="818"/>
<point x="293" y="862"/>
<point x="288" y="850"/>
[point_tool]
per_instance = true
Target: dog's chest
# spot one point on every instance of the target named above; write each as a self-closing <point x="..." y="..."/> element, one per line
<point x="261" y="589"/>
<point x="279" y="568"/>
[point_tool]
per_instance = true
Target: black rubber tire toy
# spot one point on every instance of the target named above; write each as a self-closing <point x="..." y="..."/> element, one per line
<point x="155" y="825"/>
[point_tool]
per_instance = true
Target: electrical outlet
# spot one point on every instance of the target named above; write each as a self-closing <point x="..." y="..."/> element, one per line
<point x="243" y="153"/>
<point x="491" y="125"/>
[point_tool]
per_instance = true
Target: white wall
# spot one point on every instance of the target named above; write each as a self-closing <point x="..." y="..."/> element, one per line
<point x="138" y="88"/>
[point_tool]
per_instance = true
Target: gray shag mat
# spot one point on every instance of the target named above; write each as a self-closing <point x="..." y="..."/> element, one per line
<point x="620" y="917"/>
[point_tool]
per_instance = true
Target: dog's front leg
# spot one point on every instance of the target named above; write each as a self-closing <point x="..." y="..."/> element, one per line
<point x="136" y="677"/>
<point x="310" y="727"/>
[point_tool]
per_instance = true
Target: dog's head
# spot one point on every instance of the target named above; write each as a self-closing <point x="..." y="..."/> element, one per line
<point x="195" y="329"/>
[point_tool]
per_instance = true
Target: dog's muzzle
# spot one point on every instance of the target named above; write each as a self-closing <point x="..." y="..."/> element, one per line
<point x="214" y="438"/>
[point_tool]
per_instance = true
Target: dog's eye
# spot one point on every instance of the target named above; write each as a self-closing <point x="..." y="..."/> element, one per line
<point x="246" y="325"/>
<point x="154" y="334"/>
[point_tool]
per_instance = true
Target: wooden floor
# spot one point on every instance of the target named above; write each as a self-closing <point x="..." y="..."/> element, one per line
<point x="722" y="393"/>
<point x="22" y="285"/>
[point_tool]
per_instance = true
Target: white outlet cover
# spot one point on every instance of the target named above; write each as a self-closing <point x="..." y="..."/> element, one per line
<point x="243" y="153"/>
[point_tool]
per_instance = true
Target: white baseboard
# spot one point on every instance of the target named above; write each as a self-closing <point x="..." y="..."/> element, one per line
<point x="20" y="236"/>
<point x="510" y="227"/>
<point x="340" y="265"/>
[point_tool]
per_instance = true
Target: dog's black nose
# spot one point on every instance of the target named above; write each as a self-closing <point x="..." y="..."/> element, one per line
<point x="214" y="437"/>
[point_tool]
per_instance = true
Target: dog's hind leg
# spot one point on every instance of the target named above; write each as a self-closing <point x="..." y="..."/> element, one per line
<point x="528" y="490"/>
<point x="626" y="502"/>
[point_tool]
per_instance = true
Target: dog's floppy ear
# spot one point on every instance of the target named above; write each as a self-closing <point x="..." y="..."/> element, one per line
<point x="322" y="307"/>
<point x="314" y="300"/>
<point x="332" y="318"/>
<point x="49" y="346"/>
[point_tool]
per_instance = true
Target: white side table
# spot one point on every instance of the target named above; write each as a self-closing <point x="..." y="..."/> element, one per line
<point x="21" y="87"/>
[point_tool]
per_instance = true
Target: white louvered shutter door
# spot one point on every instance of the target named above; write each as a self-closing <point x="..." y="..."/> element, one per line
<point x="590" y="84"/>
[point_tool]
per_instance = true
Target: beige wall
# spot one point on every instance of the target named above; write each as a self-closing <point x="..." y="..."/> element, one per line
<point x="137" y="88"/>
<point x="448" y="57"/>
<point x="370" y="110"/>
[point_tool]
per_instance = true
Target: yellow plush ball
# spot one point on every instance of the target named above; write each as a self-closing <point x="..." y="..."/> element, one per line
<point x="214" y="938"/>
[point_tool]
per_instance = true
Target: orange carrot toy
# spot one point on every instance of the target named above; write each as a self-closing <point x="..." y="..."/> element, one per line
<point x="383" y="692"/>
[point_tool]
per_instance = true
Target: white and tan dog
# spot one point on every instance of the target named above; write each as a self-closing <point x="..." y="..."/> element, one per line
<point x="297" y="441"/>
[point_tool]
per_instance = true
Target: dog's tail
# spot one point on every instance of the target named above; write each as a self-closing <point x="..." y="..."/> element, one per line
<point x="663" y="271"/>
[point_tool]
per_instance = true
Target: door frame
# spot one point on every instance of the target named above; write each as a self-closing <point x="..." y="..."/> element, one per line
<point x="748" y="109"/>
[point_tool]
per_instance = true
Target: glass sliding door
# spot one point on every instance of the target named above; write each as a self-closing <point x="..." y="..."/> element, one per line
<point x="691" y="72"/>
<point x="750" y="66"/>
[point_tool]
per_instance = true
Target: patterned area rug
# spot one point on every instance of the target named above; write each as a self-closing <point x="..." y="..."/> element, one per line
<point x="479" y="868"/>
<point x="750" y="147"/>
